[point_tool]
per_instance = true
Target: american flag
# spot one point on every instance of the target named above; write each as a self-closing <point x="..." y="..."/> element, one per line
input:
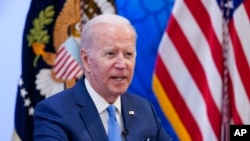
<point x="202" y="66"/>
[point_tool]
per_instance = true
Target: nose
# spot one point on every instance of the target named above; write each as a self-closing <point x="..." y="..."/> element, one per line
<point x="120" y="62"/>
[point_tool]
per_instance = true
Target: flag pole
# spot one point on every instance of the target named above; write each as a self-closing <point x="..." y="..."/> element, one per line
<point x="225" y="130"/>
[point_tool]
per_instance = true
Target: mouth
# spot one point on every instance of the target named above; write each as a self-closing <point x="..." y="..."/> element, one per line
<point x="118" y="78"/>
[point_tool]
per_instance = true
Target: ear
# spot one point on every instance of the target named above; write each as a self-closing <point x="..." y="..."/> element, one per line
<point x="85" y="59"/>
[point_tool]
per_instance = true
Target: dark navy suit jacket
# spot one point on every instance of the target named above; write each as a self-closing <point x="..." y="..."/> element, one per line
<point x="72" y="116"/>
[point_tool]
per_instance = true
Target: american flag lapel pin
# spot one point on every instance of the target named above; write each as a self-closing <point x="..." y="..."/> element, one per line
<point x="131" y="113"/>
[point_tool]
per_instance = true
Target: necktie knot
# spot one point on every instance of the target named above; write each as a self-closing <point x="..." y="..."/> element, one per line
<point x="111" y="110"/>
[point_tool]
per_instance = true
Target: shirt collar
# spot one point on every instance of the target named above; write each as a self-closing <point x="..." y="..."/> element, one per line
<point x="100" y="103"/>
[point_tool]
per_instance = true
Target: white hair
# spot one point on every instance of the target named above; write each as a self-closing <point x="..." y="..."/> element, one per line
<point x="87" y="35"/>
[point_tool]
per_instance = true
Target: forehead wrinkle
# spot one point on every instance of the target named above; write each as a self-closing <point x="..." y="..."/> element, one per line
<point x="111" y="35"/>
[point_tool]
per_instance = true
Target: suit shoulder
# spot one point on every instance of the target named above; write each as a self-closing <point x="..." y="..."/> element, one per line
<point x="134" y="98"/>
<point x="58" y="98"/>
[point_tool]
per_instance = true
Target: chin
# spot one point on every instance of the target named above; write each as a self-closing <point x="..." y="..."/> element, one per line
<point x="119" y="92"/>
<point x="118" y="89"/>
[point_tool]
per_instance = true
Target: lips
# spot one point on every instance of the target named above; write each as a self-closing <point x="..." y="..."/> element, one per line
<point x="118" y="78"/>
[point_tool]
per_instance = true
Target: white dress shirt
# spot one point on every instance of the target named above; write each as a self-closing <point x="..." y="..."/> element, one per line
<point x="101" y="105"/>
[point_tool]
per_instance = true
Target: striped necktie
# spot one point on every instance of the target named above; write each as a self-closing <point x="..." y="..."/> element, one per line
<point x="114" y="131"/>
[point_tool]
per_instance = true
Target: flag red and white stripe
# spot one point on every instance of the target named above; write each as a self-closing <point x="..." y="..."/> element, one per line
<point x="66" y="67"/>
<point x="188" y="78"/>
<point x="239" y="63"/>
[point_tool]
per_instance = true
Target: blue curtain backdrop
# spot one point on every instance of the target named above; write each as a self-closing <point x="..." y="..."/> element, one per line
<point x="149" y="18"/>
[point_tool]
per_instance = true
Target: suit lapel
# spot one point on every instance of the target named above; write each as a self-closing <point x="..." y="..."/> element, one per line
<point x="89" y="113"/>
<point x="93" y="122"/>
<point x="130" y="119"/>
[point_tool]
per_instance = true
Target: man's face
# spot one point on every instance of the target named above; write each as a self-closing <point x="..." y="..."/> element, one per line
<point x="110" y="64"/>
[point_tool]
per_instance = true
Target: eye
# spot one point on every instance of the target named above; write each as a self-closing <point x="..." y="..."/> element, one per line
<point x="129" y="54"/>
<point x="110" y="53"/>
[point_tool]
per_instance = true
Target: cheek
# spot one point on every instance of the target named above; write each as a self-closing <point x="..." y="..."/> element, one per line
<point x="98" y="67"/>
<point x="131" y="65"/>
<point x="94" y="66"/>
